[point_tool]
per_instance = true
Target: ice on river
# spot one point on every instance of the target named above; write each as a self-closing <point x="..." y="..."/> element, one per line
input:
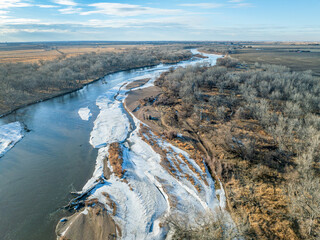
<point x="10" y="134"/>
<point x="85" y="113"/>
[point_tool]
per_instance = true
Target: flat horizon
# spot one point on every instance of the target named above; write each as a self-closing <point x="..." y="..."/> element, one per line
<point x="187" y="20"/>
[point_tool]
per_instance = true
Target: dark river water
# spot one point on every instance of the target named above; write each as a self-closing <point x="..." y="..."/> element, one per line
<point x="53" y="159"/>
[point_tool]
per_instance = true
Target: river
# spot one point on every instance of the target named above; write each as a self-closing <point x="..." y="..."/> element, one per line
<point x="55" y="157"/>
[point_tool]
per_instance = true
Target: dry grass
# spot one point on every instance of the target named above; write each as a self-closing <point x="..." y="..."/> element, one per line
<point x="36" y="55"/>
<point x="283" y="54"/>
<point x="91" y="202"/>
<point x="111" y="203"/>
<point x="115" y="159"/>
<point x="206" y="227"/>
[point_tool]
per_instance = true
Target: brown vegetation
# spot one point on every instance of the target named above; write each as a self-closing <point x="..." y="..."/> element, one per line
<point x="115" y="159"/>
<point x="299" y="56"/>
<point x="254" y="126"/>
<point x="111" y="203"/>
<point x="206" y="228"/>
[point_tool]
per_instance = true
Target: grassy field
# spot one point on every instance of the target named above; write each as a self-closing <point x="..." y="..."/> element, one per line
<point x="297" y="56"/>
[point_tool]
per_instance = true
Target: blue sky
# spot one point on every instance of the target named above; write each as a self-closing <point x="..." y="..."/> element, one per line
<point x="125" y="20"/>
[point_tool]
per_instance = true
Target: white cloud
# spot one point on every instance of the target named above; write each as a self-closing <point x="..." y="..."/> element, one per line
<point x="2" y="12"/>
<point x="203" y="5"/>
<point x="127" y="10"/>
<point x="70" y="10"/>
<point x="18" y="21"/>
<point x="45" y="6"/>
<point x="13" y="3"/>
<point x="240" y="5"/>
<point x="31" y="30"/>
<point x="162" y="22"/>
<point x="5" y="4"/>
<point x="65" y="2"/>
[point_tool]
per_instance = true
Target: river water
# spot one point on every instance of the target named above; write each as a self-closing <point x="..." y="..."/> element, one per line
<point x="54" y="158"/>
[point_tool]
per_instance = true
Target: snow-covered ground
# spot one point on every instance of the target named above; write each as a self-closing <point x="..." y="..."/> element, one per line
<point x="85" y="113"/>
<point x="150" y="192"/>
<point x="10" y="134"/>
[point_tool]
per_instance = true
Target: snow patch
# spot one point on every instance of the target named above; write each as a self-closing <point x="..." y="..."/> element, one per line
<point x="85" y="211"/>
<point x="10" y="134"/>
<point x="85" y="113"/>
<point x="112" y="124"/>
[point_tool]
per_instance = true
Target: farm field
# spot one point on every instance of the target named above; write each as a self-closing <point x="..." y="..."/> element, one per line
<point x="33" y="53"/>
<point x="297" y="56"/>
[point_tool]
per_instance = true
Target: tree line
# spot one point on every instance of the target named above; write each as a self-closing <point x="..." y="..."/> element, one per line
<point x="21" y="83"/>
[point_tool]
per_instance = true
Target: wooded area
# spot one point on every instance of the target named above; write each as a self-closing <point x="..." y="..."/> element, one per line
<point x="23" y="83"/>
<point x="261" y="131"/>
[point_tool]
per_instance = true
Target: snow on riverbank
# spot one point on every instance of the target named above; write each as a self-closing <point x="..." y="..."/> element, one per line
<point x="85" y="113"/>
<point x="112" y="124"/>
<point x="148" y="193"/>
<point x="10" y="134"/>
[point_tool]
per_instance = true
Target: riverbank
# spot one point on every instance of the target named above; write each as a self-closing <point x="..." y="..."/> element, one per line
<point x="50" y="95"/>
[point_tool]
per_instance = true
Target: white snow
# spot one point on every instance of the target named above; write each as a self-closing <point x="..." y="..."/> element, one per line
<point x="112" y="124"/>
<point x="10" y="134"/>
<point x="85" y="113"/>
<point x="85" y="211"/>
<point x="145" y="199"/>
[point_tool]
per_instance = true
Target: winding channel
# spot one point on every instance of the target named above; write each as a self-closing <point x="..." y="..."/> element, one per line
<point x="56" y="158"/>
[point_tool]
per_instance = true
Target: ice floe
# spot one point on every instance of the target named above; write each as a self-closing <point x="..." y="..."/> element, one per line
<point x="10" y="134"/>
<point x="85" y="113"/>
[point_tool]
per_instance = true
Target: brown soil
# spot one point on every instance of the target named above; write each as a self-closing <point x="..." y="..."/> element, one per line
<point x="96" y="224"/>
<point x="137" y="102"/>
<point x="137" y="83"/>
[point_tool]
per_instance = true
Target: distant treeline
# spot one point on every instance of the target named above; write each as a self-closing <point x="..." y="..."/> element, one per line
<point x="220" y="48"/>
<point x="22" y="83"/>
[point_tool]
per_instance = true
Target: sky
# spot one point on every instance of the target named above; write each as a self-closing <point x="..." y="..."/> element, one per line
<point x="163" y="20"/>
